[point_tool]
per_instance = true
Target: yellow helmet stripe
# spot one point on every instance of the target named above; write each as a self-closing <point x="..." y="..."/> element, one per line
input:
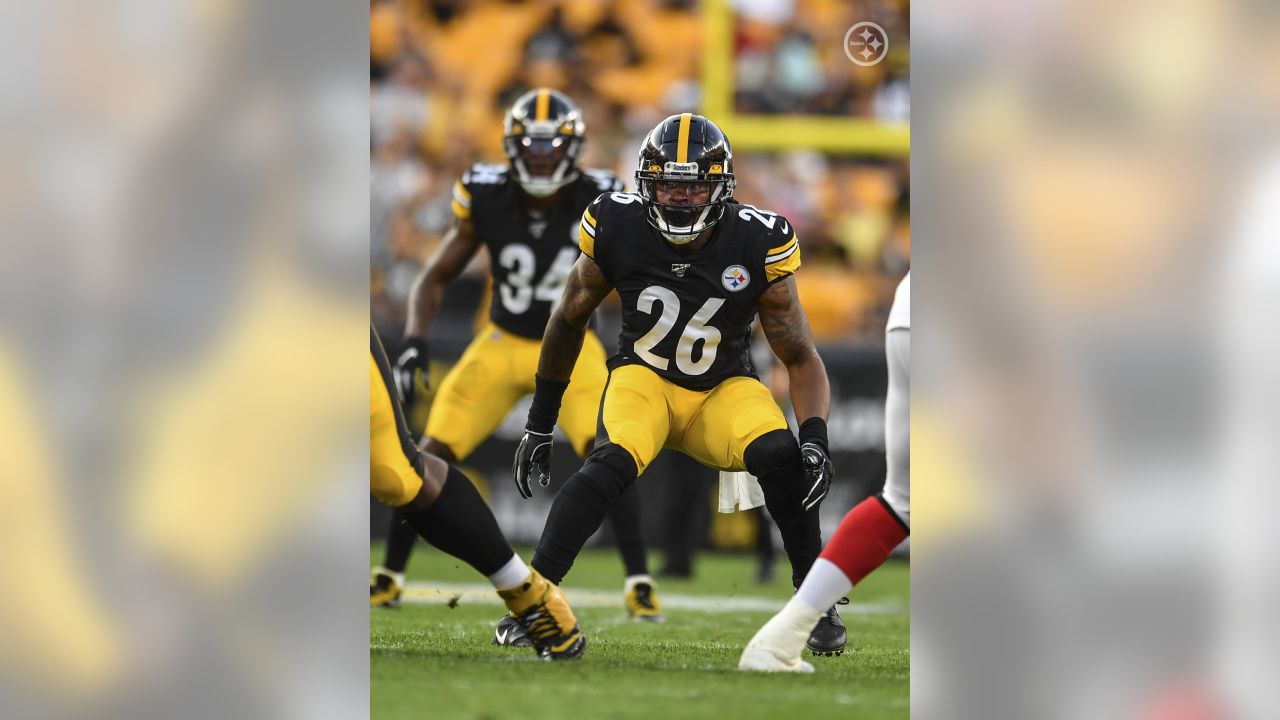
<point x="544" y="105"/>
<point x="682" y="147"/>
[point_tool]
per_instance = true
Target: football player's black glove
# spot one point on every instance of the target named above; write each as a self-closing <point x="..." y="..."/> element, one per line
<point x="533" y="456"/>
<point x="816" y="460"/>
<point x="818" y="471"/>
<point x="411" y="368"/>
<point x="534" y="453"/>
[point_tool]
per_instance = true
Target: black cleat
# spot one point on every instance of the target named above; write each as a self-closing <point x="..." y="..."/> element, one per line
<point x="510" y="633"/>
<point x="828" y="637"/>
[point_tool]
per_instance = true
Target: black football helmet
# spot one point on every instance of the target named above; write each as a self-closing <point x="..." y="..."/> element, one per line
<point x="685" y="162"/>
<point x="542" y="137"/>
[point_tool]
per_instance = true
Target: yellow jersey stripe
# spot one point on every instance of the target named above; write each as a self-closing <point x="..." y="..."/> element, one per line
<point x="461" y="190"/>
<point x="544" y="105"/>
<point x="461" y="211"/>
<point x="787" y="264"/>
<point x="586" y="243"/>
<point x="784" y="246"/>
<point x="586" y="215"/>
<point x="682" y="143"/>
<point x="461" y="196"/>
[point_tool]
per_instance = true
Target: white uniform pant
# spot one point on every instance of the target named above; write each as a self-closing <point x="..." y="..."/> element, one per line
<point x="897" y="423"/>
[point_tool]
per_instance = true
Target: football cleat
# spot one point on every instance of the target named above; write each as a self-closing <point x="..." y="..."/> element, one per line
<point x="641" y="599"/>
<point x="385" y="588"/>
<point x="510" y="633"/>
<point x="540" y="608"/>
<point x="828" y="637"/>
<point x="776" y="647"/>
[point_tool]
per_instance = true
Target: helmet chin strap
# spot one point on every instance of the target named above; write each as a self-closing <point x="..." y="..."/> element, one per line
<point x="680" y="239"/>
<point x="538" y="187"/>
<point x="699" y="226"/>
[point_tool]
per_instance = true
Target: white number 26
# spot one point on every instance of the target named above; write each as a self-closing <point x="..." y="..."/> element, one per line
<point x="696" y="331"/>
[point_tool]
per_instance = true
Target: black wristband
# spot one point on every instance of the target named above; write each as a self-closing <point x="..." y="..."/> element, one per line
<point x="814" y="430"/>
<point x="547" y="395"/>
<point x="417" y="343"/>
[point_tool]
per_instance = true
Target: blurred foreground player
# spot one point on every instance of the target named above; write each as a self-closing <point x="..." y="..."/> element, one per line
<point x="693" y="269"/>
<point x="444" y="507"/>
<point x="870" y="531"/>
<point x="527" y="215"/>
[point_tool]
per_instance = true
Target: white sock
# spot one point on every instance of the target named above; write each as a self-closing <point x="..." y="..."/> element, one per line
<point x="398" y="576"/>
<point x="633" y="580"/>
<point x="823" y="586"/>
<point x="511" y="574"/>
<point x="796" y="619"/>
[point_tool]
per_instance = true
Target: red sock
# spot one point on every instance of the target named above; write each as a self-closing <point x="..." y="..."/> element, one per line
<point x="864" y="539"/>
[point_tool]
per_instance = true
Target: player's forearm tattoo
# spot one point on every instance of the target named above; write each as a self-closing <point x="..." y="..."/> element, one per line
<point x="562" y="341"/>
<point x="785" y="324"/>
<point x="561" y="345"/>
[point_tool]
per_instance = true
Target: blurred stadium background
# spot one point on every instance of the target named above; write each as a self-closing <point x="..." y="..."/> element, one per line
<point x="816" y="138"/>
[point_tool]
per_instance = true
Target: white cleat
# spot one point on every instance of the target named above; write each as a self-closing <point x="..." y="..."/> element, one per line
<point x="760" y="659"/>
<point x="776" y="648"/>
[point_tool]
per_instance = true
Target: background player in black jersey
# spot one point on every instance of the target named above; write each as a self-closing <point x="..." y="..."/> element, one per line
<point x="527" y="215"/>
<point x="693" y="269"/>
<point x="443" y="506"/>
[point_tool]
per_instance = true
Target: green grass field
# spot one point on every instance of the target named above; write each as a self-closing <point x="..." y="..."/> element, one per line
<point x="430" y="661"/>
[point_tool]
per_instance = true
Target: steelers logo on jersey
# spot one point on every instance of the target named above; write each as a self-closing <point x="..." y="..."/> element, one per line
<point x="735" y="278"/>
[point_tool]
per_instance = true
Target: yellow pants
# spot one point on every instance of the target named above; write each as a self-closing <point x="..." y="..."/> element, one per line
<point x="395" y="465"/>
<point x="644" y="413"/>
<point x="494" y="373"/>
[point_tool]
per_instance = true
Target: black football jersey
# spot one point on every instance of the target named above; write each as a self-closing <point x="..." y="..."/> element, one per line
<point x="530" y="254"/>
<point x="688" y="317"/>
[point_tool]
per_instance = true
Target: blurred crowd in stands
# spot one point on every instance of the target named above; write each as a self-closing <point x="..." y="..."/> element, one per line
<point x="443" y="72"/>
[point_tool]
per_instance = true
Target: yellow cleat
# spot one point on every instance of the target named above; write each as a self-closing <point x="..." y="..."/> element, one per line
<point x="641" y="598"/>
<point x="542" y="611"/>
<point x="385" y="588"/>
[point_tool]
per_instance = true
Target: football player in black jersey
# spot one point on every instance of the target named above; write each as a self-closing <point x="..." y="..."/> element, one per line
<point x="693" y="269"/>
<point x="443" y="506"/>
<point x="527" y="215"/>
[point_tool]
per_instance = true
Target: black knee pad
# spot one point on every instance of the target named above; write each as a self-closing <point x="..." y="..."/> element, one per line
<point x="610" y="466"/>
<point x="771" y="452"/>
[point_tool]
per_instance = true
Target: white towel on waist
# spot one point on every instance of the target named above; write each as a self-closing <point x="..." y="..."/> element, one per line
<point x="739" y="491"/>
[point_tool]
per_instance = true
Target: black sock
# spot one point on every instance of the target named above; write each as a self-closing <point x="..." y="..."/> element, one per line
<point x="624" y="518"/>
<point x="400" y="539"/>
<point x="764" y="537"/>
<point x="579" y="509"/>
<point x="774" y="459"/>
<point x="459" y="523"/>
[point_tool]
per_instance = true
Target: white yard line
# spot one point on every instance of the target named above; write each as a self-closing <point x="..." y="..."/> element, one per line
<point x="477" y="594"/>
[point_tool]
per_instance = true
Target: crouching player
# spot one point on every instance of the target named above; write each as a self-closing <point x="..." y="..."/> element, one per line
<point x="445" y="509"/>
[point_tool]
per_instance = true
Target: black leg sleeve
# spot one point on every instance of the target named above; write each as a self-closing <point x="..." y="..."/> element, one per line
<point x="774" y="458"/>
<point x="462" y="525"/>
<point x="580" y="507"/>
<point x="624" y="518"/>
<point x="400" y="539"/>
